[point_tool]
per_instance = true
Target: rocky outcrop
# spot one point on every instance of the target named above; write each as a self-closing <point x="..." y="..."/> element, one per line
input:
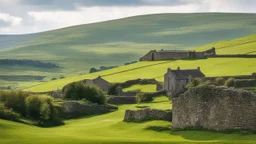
<point x="122" y="100"/>
<point x="147" y="114"/>
<point x="72" y="109"/>
<point x="215" y="108"/>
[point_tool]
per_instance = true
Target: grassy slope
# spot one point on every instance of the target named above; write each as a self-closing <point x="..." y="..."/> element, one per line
<point x="243" y="45"/>
<point x="156" y="69"/>
<point x="109" y="128"/>
<point x="115" y="42"/>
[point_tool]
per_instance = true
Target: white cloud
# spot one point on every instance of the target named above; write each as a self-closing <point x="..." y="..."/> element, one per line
<point x="12" y="20"/>
<point x="37" y="18"/>
<point x="96" y="14"/>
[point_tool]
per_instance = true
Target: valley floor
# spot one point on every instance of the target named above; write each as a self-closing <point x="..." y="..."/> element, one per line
<point x="109" y="128"/>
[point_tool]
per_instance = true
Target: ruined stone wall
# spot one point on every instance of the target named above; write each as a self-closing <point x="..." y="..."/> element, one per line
<point x="72" y="109"/>
<point x="122" y="100"/>
<point x="147" y="114"/>
<point x="215" y="108"/>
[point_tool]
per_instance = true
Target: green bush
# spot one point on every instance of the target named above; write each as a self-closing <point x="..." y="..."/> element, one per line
<point x="113" y="89"/>
<point x="41" y="108"/>
<point x="220" y="81"/>
<point x="78" y="91"/>
<point x="14" y="100"/>
<point x="142" y="97"/>
<point x="8" y="114"/>
<point x="231" y="82"/>
<point x="195" y="82"/>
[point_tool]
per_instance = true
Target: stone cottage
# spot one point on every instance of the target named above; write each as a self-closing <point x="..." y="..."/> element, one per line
<point x="175" y="81"/>
<point x="99" y="81"/>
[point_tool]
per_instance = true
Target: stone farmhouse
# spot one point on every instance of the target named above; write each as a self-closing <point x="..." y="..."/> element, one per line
<point x="154" y="55"/>
<point x="175" y="81"/>
<point x="99" y="81"/>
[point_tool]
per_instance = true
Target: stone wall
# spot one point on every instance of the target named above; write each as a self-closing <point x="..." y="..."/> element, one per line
<point x="215" y="108"/>
<point x="72" y="109"/>
<point x="147" y="114"/>
<point x="148" y="56"/>
<point x="122" y="100"/>
<point x="246" y="83"/>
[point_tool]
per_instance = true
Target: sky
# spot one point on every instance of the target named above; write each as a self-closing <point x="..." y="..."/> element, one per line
<point x="32" y="16"/>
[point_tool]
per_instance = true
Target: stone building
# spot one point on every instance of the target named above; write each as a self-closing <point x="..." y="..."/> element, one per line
<point x="99" y="81"/>
<point x="214" y="108"/>
<point x="175" y="81"/>
<point x="154" y="55"/>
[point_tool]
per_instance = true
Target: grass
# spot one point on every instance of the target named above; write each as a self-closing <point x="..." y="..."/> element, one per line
<point x="109" y="128"/>
<point x="143" y="88"/>
<point x="77" y="49"/>
<point x="243" y="45"/>
<point x="157" y="69"/>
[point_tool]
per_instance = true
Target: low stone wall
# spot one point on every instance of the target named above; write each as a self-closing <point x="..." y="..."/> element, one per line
<point x="246" y="83"/>
<point x="234" y="56"/>
<point x="129" y="93"/>
<point x="122" y="100"/>
<point x="147" y="114"/>
<point x="215" y="108"/>
<point x="72" y="109"/>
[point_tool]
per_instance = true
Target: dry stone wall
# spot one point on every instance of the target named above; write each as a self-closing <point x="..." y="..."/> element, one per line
<point x="122" y="100"/>
<point x="72" y="109"/>
<point x="147" y="114"/>
<point x="215" y="108"/>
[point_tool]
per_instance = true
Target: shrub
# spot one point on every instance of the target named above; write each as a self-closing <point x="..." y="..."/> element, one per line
<point x="113" y="89"/>
<point x="231" y="82"/>
<point x="220" y="81"/>
<point x="195" y="82"/>
<point x="92" y="70"/>
<point x="142" y="97"/>
<point x="41" y="108"/>
<point x="14" y="100"/>
<point x="8" y="114"/>
<point x="206" y="83"/>
<point x="78" y="91"/>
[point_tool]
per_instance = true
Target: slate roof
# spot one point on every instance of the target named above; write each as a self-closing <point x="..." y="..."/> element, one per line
<point x="188" y="72"/>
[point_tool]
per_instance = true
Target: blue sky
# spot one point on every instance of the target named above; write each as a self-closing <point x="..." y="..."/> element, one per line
<point x="30" y="16"/>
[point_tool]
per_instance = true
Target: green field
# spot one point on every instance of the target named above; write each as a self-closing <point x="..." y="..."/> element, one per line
<point x="112" y="43"/>
<point x="142" y="88"/>
<point x="109" y="128"/>
<point x="243" y="45"/>
<point x="156" y="69"/>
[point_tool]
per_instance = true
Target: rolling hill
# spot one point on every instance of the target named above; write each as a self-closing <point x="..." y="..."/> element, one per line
<point x="112" y="43"/>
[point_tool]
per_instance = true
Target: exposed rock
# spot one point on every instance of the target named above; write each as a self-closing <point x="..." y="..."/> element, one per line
<point x="147" y="114"/>
<point x="215" y="108"/>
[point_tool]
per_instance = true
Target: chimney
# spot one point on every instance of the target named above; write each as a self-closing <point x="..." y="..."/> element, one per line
<point x="198" y="68"/>
<point x="169" y="69"/>
<point x="178" y="68"/>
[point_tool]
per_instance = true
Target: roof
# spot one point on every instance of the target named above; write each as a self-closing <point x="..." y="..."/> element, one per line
<point x="174" y="51"/>
<point x="188" y="72"/>
<point x="99" y="78"/>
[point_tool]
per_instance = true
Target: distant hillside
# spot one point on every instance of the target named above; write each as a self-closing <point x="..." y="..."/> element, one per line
<point x="113" y="43"/>
<point x="243" y="45"/>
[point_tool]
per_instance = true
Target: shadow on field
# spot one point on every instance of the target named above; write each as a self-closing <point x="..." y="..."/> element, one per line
<point x="205" y="135"/>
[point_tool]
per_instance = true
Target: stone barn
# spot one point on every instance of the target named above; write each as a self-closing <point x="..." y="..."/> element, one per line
<point x="155" y="55"/>
<point x="99" y="81"/>
<point x="214" y="108"/>
<point x="175" y="81"/>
